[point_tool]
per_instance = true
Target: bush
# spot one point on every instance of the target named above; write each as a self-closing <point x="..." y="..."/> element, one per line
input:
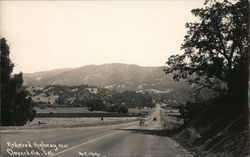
<point x="95" y="105"/>
<point x="123" y="109"/>
<point x="190" y="110"/>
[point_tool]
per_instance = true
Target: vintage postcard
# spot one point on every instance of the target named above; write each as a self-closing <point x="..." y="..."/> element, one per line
<point x="124" y="78"/>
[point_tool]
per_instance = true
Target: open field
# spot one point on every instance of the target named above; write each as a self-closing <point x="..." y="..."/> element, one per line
<point x="70" y="122"/>
<point x="69" y="117"/>
<point x="143" y="111"/>
<point x="71" y="112"/>
<point x="62" y="110"/>
<point x="80" y="110"/>
<point x="42" y="123"/>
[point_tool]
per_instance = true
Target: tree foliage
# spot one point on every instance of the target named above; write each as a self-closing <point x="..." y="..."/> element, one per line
<point x="16" y="106"/>
<point x="215" y="48"/>
<point x="123" y="109"/>
<point x="95" y="105"/>
<point x="189" y="111"/>
<point x="133" y="99"/>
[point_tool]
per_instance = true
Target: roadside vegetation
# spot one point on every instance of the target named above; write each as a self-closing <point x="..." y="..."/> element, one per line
<point x="215" y="63"/>
<point x="16" y="105"/>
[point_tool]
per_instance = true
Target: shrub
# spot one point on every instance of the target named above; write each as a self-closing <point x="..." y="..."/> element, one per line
<point x="190" y="110"/>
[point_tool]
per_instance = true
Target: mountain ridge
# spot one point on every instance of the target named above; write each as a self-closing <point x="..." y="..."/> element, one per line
<point x="115" y="76"/>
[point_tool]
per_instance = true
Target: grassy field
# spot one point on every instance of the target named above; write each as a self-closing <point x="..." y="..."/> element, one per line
<point x="70" y="112"/>
<point x="80" y="110"/>
<point x="43" y="123"/>
<point x="70" y="122"/>
<point x="63" y="110"/>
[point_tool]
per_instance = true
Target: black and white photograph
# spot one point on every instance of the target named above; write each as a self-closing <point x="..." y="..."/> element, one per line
<point x="124" y="78"/>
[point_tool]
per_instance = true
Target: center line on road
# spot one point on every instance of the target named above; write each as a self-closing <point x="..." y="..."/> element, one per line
<point x="93" y="140"/>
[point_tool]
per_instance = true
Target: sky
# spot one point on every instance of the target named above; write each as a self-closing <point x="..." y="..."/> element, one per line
<point x="46" y="35"/>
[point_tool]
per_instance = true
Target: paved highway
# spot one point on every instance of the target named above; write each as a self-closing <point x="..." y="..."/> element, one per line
<point x="125" y="140"/>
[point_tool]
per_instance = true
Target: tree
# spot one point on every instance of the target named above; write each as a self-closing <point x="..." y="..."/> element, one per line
<point x="189" y="111"/>
<point x="216" y="49"/>
<point x="95" y="104"/>
<point x="123" y="109"/>
<point x="16" y="106"/>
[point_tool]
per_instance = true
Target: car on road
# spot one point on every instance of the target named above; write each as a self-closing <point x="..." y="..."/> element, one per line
<point x="142" y="122"/>
<point x="155" y="119"/>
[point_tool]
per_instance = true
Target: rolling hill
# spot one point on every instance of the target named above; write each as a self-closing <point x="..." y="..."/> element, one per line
<point x="116" y="76"/>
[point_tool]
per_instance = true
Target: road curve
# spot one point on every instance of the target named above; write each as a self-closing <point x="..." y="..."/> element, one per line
<point x="125" y="140"/>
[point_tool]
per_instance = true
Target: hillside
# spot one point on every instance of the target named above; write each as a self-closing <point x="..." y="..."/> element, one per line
<point x="67" y="95"/>
<point x="87" y="96"/>
<point x="114" y="76"/>
<point x="223" y="135"/>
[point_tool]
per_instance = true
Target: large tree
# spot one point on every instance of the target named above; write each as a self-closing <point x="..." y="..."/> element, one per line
<point x="215" y="49"/>
<point x="16" y="106"/>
